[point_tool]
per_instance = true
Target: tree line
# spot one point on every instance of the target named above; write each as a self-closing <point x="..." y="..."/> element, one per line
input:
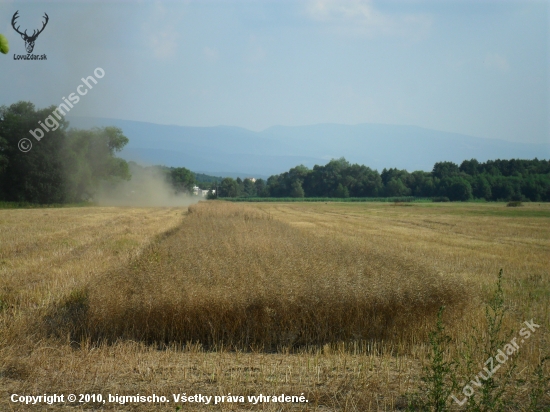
<point x="494" y="180"/>
<point x="71" y="165"/>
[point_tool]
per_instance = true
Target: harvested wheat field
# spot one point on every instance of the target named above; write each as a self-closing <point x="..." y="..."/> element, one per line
<point x="332" y="303"/>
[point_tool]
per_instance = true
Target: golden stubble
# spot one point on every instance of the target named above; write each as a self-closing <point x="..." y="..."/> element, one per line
<point x="232" y="276"/>
<point x="149" y="263"/>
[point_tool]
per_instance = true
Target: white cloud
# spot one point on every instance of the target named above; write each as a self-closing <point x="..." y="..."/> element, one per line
<point x="350" y="9"/>
<point x="360" y="17"/>
<point x="211" y="54"/>
<point x="256" y="52"/>
<point x="161" y="31"/>
<point x="494" y="61"/>
<point x="163" y="44"/>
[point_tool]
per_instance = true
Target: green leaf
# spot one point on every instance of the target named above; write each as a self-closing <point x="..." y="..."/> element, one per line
<point x="4" y="46"/>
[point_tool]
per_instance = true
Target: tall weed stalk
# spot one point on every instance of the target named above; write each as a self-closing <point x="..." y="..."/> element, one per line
<point x="489" y="389"/>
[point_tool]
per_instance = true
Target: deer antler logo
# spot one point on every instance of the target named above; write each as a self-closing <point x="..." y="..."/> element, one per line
<point x="29" y="40"/>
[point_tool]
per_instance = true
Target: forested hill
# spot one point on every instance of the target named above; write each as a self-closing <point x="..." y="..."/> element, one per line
<point x="231" y="151"/>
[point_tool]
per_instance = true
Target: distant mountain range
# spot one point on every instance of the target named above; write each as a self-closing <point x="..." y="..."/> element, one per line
<point x="234" y="151"/>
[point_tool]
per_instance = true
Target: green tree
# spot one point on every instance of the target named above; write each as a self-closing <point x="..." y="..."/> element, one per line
<point x="228" y="188"/>
<point x="481" y="188"/>
<point x="394" y="174"/>
<point x="427" y="187"/>
<point x="503" y="189"/>
<point x="296" y="190"/>
<point x="260" y="188"/>
<point x="276" y="186"/>
<point x="3" y="160"/>
<point x="341" y="191"/>
<point x="396" y="187"/>
<point x="89" y="161"/>
<point x="470" y="167"/>
<point x="63" y="165"/>
<point x="460" y="189"/>
<point x="249" y="189"/>
<point x="324" y="180"/>
<point x="240" y="187"/>
<point x="362" y="181"/>
<point x="36" y="176"/>
<point x="534" y="187"/>
<point x="442" y="170"/>
<point x="456" y="188"/>
<point x="182" y="179"/>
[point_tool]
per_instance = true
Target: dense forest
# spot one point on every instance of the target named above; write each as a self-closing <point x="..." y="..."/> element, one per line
<point x="65" y="166"/>
<point x="71" y="165"/>
<point x="493" y="180"/>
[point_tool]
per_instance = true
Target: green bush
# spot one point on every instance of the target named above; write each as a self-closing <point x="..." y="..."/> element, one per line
<point x="515" y="203"/>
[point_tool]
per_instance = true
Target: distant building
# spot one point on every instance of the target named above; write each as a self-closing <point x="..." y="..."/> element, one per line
<point x="252" y="179"/>
<point x="197" y="191"/>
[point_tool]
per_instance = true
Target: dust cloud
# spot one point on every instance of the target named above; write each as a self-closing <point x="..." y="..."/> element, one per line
<point x="148" y="187"/>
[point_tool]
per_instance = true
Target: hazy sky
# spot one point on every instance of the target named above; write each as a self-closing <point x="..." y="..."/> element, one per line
<point x="480" y="68"/>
